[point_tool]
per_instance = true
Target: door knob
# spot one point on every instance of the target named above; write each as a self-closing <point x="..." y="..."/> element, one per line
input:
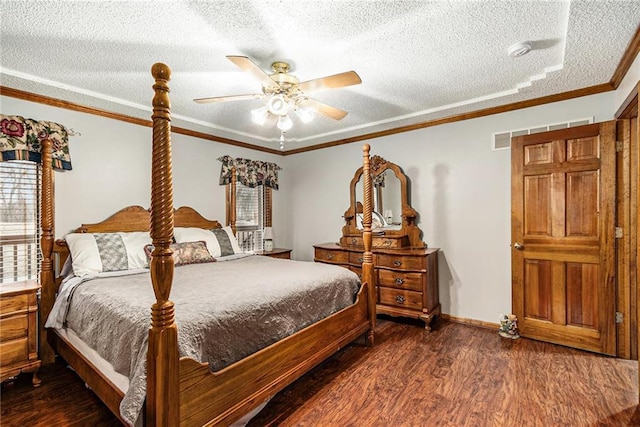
<point x="518" y="246"/>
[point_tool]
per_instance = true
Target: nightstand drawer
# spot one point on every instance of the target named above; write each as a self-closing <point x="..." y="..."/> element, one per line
<point x="338" y="257"/>
<point x="14" y="351"/>
<point x="14" y="303"/>
<point x="14" y="327"/>
<point x="400" y="280"/>
<point x="400" y="262"/>
<point x="400" y="298"/>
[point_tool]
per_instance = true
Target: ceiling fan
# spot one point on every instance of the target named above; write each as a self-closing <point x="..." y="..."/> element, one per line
<point x="286" y="93"/>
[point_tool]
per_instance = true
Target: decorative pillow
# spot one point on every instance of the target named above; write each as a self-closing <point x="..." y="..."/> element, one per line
<point x="219" y="241"/>
<point x="98" y="252"/>
<point x="186" y="253"/>
<point x="193" y="234"/>
<point x="227" y="241"/>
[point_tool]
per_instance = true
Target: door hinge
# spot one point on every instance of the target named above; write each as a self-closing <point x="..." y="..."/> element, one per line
<point x="619" y="146"/>
<point x="619" y="317"/>
<point x="618" y="232"/>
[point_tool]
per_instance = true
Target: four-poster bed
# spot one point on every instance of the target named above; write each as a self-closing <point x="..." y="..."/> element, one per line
<point x="181" y="390"/>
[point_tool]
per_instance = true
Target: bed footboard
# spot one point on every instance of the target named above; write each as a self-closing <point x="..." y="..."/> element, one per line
<point x="222" y="397"/>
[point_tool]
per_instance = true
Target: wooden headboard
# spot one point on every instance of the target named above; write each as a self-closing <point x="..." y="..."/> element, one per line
<point x="132" y="218"/>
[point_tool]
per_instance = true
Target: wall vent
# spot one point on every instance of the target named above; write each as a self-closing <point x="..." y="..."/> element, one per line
<point x="502" y="140"/>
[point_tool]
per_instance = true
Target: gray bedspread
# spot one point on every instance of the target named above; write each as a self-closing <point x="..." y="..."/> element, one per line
<point x="225" y="311"/>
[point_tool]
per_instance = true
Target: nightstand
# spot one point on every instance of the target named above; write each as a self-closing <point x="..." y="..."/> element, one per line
<point x="19" y="330"/>
<point x="276" y="253"/>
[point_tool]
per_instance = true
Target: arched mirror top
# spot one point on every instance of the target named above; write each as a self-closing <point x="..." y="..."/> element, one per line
<point x="393" y="218"/>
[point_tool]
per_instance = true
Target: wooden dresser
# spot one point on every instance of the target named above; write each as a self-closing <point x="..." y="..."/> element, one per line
<point x="19" y="330"/>
<point x="406" y="279"/>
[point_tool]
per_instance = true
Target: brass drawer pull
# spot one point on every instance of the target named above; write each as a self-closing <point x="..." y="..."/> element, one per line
<point x="397" y="263"/>
<point x="329" y="256"/>
<point x="360" y="259"/>
<point x="399" y="280"/>
<point x="400" y="299"/>
<point x="354" y="240"/>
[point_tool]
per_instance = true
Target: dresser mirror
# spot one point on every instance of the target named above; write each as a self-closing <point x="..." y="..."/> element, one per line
<point x="393" y="218"/>
<point x="387" y="201"/>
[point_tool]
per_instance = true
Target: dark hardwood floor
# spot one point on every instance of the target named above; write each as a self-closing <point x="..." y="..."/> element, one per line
<point x="456" y="375"/>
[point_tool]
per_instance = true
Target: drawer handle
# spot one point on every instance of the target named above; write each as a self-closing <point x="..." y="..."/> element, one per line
<point x="397" y="263"/>
<point x="400" y="299"/>
<point x="387" y="243"/>
<point x="354" y="240"/>
<point x="329" y="256"/>
<point x="399" y="280"/>
<point x="360" y="259"/>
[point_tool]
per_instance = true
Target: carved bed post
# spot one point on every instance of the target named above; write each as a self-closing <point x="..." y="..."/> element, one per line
<point x="232" y="199"/>
<point x="367" y="258"/>
<point x="163" y="400"/>
<point x="47" y="290"/>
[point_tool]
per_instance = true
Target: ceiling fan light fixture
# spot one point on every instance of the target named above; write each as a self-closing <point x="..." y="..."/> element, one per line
<point x="305" y="114"/>
<point x="284" y="123"/>
<point x="278" y="105"/>
<point x="259" y="115"/>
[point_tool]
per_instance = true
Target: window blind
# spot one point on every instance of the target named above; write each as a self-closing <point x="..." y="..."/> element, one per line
<point x="250" y="217"/>
<point x="19" y="221"/>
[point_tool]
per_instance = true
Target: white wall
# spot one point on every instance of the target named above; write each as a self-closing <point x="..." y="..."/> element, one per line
<point x="460" y="187"/>
<point x="628" y="83"/>
<point x="112" y="169"/>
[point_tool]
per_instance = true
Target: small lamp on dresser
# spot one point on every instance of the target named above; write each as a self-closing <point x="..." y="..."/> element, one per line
<point x="268" y="239"/>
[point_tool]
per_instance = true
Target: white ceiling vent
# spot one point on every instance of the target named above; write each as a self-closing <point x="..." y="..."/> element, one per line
<point x="502" y="140"/>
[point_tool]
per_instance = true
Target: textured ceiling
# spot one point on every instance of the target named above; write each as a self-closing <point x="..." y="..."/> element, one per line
<point x="418" y="60"/>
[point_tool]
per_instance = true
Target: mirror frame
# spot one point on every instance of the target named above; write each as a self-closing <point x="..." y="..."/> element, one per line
<point x="408" y="235"/>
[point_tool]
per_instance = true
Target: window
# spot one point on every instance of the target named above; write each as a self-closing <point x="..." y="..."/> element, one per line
<point x="253" y="214"/>
<point x="19" y="221"/>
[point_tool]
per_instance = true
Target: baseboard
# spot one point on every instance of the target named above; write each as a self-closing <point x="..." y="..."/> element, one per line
<point x="470" y="322"/>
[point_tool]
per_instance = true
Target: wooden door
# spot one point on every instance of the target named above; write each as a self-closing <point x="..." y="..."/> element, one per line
<point x="562" y="226"/>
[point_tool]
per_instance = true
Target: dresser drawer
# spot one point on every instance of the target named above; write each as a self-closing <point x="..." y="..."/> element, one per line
<point x="14" y="351"/>
<point x="400" y="280"/>
<point x="14" y="327"/>
<point x="337" y="257"/>
<point x="400" y="262"/>
<point x="356" y="258"/>
<point x="401" y="298"/>
<point x="14" y="303"/>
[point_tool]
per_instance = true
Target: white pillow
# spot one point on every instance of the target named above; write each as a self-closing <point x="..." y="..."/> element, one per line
<point x="194" y="234"/>
<point x="98" y="252"/>
<point x="220" y="241"/>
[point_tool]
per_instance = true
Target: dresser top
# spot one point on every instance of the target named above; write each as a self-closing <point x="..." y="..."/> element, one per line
<point x="403" y="251"/>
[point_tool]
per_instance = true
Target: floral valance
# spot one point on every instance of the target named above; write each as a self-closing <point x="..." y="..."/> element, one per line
<point x="21" y="139"/>
<point x="249" y="172"/>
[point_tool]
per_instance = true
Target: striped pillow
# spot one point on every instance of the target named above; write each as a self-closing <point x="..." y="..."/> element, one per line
<point x="101" y="252"/>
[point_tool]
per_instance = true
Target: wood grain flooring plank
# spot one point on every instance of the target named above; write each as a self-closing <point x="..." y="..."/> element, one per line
<point x="456" y="375"/>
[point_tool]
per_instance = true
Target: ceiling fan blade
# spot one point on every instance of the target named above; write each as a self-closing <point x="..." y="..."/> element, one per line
<point x="250" y="67"/>
<point x="347" y="78"/>
<point x="327" y="110"/>
<point x="227" y="98"/>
